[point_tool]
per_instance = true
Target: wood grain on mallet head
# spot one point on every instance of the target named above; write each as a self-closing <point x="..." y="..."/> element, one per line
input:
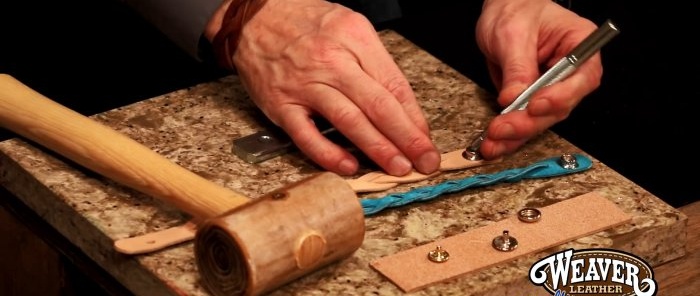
<point x="280" y="236"/>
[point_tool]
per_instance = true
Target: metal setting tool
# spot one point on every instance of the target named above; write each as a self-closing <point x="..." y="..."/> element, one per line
<point x="562" y="69"/>
<point x="261" y="146"/>
<point x="267" y="144"/>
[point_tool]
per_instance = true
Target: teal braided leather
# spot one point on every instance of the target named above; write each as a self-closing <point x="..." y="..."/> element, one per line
<point x="542" y="169"/>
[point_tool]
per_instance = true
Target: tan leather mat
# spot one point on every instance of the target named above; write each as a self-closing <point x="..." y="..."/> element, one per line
<point x="471" y="251"/>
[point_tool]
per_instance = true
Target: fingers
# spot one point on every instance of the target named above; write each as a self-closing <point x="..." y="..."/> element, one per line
<point x="548" y="106"/>
<point x="306" y="136"/>
<point x="379" y="65"/>
<point x="518" y="45"/>
<point x="510" y="43"/>
<point x="341" y="70"/>
<point x="355" y="124"/>
<point x="561" y="98"/>
<point x="393" y="119"/>
<point x="495" y="74"/>
<point x="377" y="86"/>
<point x="507" y="132"/>
<point x="518" y="69"/>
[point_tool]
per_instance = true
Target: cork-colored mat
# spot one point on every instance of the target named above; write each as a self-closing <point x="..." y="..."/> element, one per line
<point x="472" y="250"/>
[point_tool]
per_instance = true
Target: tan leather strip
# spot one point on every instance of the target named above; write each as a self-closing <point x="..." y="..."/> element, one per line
<point x="158" y="240"/>
<point x="380" y="181"/>
<point x="471" y="251"/>
<point x="370" y="182"/>
<point x="454" y="160"/>
<point x="366" y="183"/>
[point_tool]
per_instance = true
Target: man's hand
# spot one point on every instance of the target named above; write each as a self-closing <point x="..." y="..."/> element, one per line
<point x="303" y="58"/>
<point x="521" y="39"/>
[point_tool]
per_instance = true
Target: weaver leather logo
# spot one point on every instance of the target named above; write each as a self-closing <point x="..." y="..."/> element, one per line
<point x="594" y="272"/>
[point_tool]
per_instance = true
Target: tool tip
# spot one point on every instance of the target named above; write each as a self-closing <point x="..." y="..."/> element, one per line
<point x="471" y="155"/>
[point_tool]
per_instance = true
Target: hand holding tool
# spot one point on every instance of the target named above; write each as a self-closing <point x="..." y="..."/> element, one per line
<point x="562" y="69"/>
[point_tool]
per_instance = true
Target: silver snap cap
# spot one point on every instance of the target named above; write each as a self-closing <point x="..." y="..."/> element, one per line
<point x="505" y="242"/>
<point x="568" y="161"/>
<point x="529" y="215"/>
<point x="471" y="155"/>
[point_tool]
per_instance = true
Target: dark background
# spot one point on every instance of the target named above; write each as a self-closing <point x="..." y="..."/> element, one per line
<point x="93" y="56"/>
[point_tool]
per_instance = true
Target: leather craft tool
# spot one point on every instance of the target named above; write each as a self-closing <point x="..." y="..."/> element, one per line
<point x="266" y="144"/>
<point x="260" y="244"/>
<point x="562" y="69"/>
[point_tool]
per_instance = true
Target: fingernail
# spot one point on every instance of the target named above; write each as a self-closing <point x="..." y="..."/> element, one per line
<point x="399" y="166"/>
<point x="428" y="162"/>
<point x="347" y="167"/>
<point x="505" y="131"/>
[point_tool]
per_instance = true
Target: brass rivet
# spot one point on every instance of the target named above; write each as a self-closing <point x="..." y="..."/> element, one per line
<point x="438" y="255"/>
<point x="529" y="215"/>
<point x="568" y="161"/>
<point x="505" y="242"/>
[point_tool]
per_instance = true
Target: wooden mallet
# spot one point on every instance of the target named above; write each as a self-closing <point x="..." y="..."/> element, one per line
<point x="244" y="246"/>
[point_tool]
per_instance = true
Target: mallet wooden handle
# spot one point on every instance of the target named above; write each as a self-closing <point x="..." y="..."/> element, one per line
<point x="108" y="152"/>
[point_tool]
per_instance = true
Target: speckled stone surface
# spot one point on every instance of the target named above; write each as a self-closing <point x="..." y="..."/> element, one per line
<point x="194" y="127"/>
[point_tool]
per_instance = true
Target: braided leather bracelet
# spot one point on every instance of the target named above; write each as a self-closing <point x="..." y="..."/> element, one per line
<point x="378" y="181"/>
<point x="238" y="13"/>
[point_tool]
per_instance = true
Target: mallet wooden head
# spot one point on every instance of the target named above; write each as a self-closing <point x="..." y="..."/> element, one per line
<point x="280" y="236"/>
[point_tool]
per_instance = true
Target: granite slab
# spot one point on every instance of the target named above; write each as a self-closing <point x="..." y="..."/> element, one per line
<point x="195" y="127"/>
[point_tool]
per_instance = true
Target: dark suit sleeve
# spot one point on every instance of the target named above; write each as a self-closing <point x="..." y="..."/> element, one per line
<point x="182" y="21"/>
<point x="378" y="11"/>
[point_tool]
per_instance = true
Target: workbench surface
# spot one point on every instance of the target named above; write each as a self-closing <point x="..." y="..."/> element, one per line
<point x="194" y="127"/>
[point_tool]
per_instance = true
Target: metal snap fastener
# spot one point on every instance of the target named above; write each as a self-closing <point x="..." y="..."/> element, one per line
<point x="471" y="155"/>
<point x="438" y="255"/>
<point x="505" y="242"/>
<point x="529" y="215"/>
<point x="568" y="161"/>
